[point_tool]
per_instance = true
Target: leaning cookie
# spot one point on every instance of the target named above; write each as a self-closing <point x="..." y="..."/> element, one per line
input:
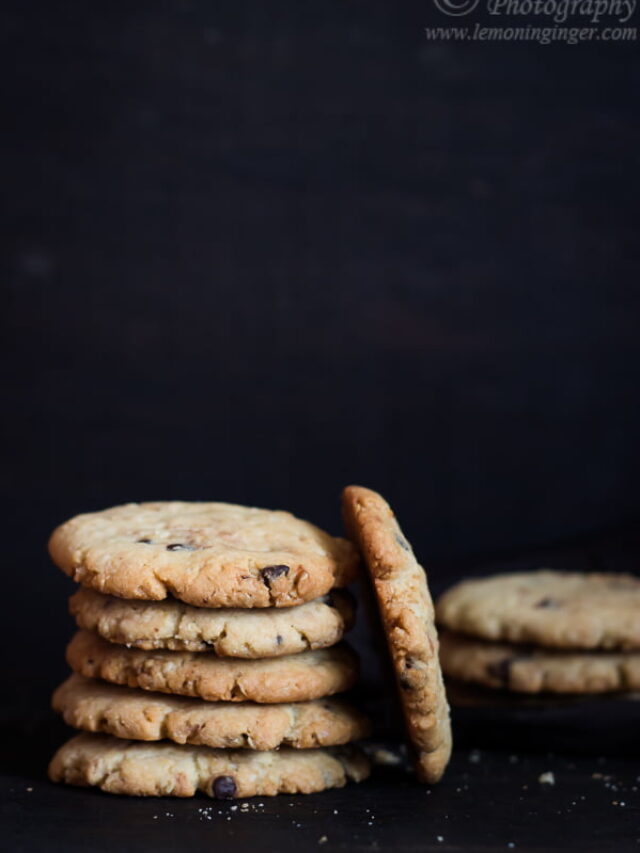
<point x="560" y="609"/>
<point x="294" y="678"/>
<point x="526" y="669"/>
<point x="205" y="554"/>
<point x="165" y="770"/>
<point x="239" y="633"/>
<point x="96" y="706"/>
<point x="408" y="621"/>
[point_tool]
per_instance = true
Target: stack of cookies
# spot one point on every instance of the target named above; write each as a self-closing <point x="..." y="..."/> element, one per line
<point x="209" y="644"/>
<point x="543" y="631"/>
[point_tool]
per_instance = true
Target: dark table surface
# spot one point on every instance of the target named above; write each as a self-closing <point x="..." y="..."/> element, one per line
<point x="490" y="799"/>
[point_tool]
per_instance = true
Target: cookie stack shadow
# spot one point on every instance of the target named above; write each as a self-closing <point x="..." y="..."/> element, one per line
<point x="557" y="636"/>
<point x="209" y="653"/>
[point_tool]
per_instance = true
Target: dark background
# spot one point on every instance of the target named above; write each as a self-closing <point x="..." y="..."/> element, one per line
<point x="254" y="252"/>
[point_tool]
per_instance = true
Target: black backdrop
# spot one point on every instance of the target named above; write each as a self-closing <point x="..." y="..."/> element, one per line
<point x="257" y="251"/>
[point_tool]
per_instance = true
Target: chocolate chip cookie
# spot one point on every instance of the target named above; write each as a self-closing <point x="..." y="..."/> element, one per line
<point x="96" y="706"/>
<point x="239" y="633"/>
<point x="166" y="770"/>
<point x="550" y="608"/>
<point x="407" y="618"/>
<point x="205" y="554"/>
<point x="528" y="669"/>
<point x="294" y="678"/>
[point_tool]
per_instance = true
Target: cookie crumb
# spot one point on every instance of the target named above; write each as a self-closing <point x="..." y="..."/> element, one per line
<point x="547" y="778"/>
<point x="386" y="758"/>
<point x="323" y="839"/>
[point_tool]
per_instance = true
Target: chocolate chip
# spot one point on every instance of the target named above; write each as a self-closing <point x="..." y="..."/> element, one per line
<point x="402" y="542"/>
<point x="549" y="603"/>
<point x="180" y="546"/>
<point x="405" y="682"/>
<point x="501" y="671"/>
<point x="224" y="787"/>
<point x="144" y="541"/>
<point x="270" y="573"/>
<point x="279" y="639"/>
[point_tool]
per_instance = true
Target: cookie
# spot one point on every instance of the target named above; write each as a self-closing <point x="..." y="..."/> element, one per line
<point x="526" y="669"/>
<point x="549" y="608"/>
<point x="205" y="554"/>
<point x="239" y="633"/>
<point x="463" y="694"/>
<point x="407" y="619"/>
<point x="165" y="770"/>
<point x="95" y="706"/>
<point x="295" y="678"/>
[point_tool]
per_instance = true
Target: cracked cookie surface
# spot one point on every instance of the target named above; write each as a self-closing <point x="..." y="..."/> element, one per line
<point x="241" y="633"/>
<point x="293" y="678"/>
<point x="550" y="608"/>
<point x="407" y="616"/>
<point x="166" y="770"/>
<point x="205" y="554"/>
<point x="525" y="669"/>
<point x="96" y="706"/>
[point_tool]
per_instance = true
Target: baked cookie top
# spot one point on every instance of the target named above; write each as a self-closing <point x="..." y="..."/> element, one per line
<point x="239" y="633"/>
<point x="527" y="669"/>
<point x="96" y="706"/>
<point x="407" y="615"/>
<point x="166" y="770"/>
<point x="206" y="554"/>
<point x="294" y="678"/>
<point x="550" y="608"/>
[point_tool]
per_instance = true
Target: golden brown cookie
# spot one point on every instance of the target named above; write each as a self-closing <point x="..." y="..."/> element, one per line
<point x="407" y="617"/>
<point x="166" y="770"/>
<point x="294" y="678"/>
<point x="526" y="669"/>
<point x="549" y="608"/>
<point x="205" y="554"/>
<point x="240" y="633"/>
<point x="96" y="706"/>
